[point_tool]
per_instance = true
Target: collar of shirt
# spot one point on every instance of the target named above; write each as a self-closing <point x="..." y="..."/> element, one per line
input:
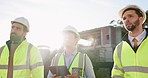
<point x="140" y="37"/>
<point x="69" y="58"/>
<point x="73" y="53"/>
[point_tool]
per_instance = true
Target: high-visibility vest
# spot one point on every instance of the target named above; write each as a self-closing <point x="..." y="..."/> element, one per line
<point x="27" y="62"/>
<point x="128" y="64"/>
<point x="78" y="62"/>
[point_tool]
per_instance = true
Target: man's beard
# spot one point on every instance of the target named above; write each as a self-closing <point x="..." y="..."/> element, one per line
<point x="15" y="38"/>
<point x="134" y="25"/>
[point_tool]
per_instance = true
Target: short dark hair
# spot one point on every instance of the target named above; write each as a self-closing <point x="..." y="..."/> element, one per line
<point x="137" y="11"/>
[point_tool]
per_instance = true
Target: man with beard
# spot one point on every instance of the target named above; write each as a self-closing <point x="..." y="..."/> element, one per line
<point x="19" y="58"/>
<point x="130" y="55"/>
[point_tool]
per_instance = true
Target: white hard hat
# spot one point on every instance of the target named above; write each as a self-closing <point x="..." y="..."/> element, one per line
<point x="134" y="7"/>
<point x="71" y="29"/>
<point x="22" y="21"/>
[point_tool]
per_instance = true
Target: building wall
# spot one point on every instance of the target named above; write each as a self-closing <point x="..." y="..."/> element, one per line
<point x="105" y="35"/>
<point x="113" y="36"/>
<point x="106" y="38"/>
<point x="118" y="35"/>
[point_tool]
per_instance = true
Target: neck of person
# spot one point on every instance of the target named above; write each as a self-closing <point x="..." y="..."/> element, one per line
<point x="13" y="47"/>
<point x="69" y="49"/>
<point x="17" y="42"/>
<point x="136" y="31"/>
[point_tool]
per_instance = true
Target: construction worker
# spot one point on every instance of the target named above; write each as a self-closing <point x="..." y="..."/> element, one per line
<point x="71" y="58"/>
<point x="19" y="58"/>
<point x="130" y="55"/>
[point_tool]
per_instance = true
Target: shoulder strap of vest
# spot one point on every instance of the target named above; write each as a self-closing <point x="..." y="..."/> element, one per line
<point x="119" y="49"/>
<point x="56" y="59"/>
<point x="82" y="62"/>
<point x="28" y="55"/>
<point x="1" y="49"/>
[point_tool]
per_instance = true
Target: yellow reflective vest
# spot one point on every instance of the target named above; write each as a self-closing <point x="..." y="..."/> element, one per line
<point x="78" y="62"/>
<point x="128" y="64"/>
<point x="27" y="62"/>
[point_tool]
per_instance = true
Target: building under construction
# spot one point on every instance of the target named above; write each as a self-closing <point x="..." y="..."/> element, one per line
<point x="104" y="41"/>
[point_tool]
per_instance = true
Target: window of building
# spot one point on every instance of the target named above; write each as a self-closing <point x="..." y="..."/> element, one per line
<point x="107" y="37"/>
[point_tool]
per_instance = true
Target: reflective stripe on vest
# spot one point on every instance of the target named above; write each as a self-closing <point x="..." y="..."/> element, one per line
<point x="79" y="60"/>
<point x="135" y="69"/>
<point x="117" y="68"/>
<point x="21" y="67"/>
<point x="1" y="49"/>
<point x="119" y="49"/>
<point x="141" y="69"/>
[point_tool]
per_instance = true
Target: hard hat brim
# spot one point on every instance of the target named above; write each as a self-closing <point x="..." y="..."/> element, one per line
<point x="135" y="7"/>
<point x="19" y="23"/>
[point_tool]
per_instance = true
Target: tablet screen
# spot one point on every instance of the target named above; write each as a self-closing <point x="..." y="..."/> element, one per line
<point x="59" y="70"/>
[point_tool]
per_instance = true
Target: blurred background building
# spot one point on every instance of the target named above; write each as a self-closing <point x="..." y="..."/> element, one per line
<point x="104" y="41"/>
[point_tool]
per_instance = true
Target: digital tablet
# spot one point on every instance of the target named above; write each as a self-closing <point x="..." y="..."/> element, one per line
<point x="59" y="70"/>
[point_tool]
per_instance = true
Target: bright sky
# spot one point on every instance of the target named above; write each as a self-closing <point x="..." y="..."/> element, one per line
<point x="48" y="17"/>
